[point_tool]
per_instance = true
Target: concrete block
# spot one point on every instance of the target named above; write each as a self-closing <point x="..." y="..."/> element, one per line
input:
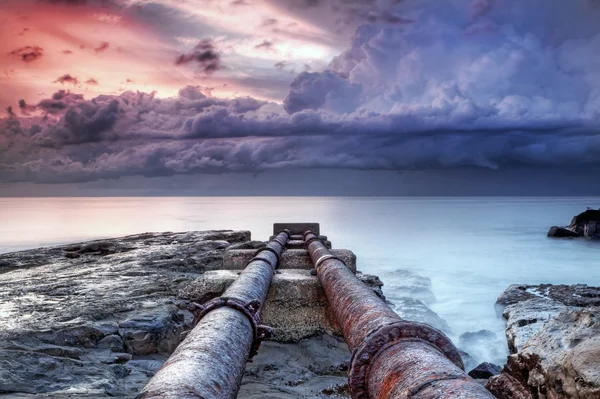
<point x="296" y="228"/>
<point x="290" y="259"/>
<point x="300" y="237"/>
<point x="296" y="306"/>
<point x="299" y="244"/>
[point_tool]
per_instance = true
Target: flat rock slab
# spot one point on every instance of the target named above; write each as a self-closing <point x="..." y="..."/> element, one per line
<point x="97" y="319"/>
<point x="291" y="259"/>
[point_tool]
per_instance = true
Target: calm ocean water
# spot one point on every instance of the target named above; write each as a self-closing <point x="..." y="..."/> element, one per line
<point x="470" y="248"/>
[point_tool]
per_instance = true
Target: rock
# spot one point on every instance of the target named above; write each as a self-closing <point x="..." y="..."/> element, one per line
<point x="372" y="281"/>
<point x="561" y="232"/>
<point x="562" y="360"/>
<point x="156" y="331"/>
<point x="307" y="369"/>
<point x="586" y="224"/>
<point x="410" y="285"/>
<point x="484" y="371"/>
<point x="525" y="319"/>
<point x="68" y="313"/>
<point x="247" y="245"/>
<point x="528" y="307"/>
<point x="415" y="310"/>
<point x="113" y="342"/>
<point x="554" y="334"/>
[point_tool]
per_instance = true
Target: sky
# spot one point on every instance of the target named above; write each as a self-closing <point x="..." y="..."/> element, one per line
<point x="375" y="96"/>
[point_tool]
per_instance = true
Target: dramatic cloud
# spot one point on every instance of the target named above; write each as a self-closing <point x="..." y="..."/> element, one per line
<point x="488" y="84"/>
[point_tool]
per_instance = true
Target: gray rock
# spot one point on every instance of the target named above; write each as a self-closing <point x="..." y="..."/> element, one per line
<point x="67" y="313"/>
<point x="410" y="285"/>
<point x="586" y="224"/>
<point x="485" y="371"/>
<point x="415" y="310"/>
<point x="525" y="319"/>
<point x="561" y="232"/>
<point x="313" y="368"/>
<point x="562" y="360"/>
<point x="554" y="334"/>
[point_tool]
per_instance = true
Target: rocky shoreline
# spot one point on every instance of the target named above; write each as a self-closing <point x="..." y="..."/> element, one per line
<point x="99" y="318"/>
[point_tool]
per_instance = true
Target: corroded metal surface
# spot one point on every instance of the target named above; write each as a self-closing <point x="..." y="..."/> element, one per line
<point x="210" y="362"/>
<point x="391" y="358"/>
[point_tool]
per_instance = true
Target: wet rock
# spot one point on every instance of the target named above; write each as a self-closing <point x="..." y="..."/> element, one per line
<point x="484" y="371"/>
<point x="554" y="333"/>
<point x="372" y="281"/>
<point x="248" y="245"/>
<point x="307" y="369"/>
<point x="526" y="308"/>
<point x="415" y="310"/>
<point x="113" y="342"/>
<point x="410" y="285"/>
<point x="563" y="359"/>
<point x="68" y="313"/>
<point x="525" y="319"/>
<point x="156" y="331"/>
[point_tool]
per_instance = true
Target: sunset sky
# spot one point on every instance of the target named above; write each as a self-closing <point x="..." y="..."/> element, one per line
<point x="99" y="92"/>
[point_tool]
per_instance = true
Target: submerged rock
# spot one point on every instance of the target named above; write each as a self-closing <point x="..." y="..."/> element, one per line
<point x="554" y="334"/>
<point x="409" y="295"/>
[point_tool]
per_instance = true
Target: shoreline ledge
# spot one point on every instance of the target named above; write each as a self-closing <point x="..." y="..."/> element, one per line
<point x="99" y="318"/>
<point x="553" y="333"/>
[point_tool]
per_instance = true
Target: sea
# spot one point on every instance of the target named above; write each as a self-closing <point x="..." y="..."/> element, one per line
<point x="471" y="248"/>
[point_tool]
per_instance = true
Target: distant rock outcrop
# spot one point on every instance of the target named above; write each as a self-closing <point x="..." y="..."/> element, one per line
<point x="554" y="334"/>
<point x="586" y="224"/>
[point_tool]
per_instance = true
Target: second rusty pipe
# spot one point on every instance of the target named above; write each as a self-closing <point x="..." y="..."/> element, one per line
<point x="210" y="362"/>
<point x="391" y="358"/>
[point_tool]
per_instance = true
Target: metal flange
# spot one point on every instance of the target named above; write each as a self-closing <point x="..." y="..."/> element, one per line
<point x="386" y="336"/>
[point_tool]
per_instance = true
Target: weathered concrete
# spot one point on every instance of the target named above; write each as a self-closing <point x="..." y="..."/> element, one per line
<point x="290" y="259"/>
<point x="299" y="244"/>
<point x="296" y="228"/>
<point x="296" y="306"/>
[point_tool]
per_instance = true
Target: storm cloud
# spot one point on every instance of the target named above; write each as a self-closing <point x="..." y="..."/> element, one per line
<point x="479" y="83"/>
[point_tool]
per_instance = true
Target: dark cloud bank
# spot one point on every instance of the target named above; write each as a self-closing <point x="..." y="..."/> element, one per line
<point x="467" y="85"/>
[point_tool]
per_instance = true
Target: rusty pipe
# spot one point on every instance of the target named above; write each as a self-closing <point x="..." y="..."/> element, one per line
<point x="210" y="362"/>
<point x="391" y="358"/>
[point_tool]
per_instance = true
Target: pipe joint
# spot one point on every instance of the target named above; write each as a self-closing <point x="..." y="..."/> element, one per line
<point x="387" y="336"/>
<point x="249" y="309"/>
<point x="323" y="258"/>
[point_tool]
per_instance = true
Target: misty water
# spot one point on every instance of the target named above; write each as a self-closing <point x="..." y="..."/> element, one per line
<point x="470" y="248"/>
